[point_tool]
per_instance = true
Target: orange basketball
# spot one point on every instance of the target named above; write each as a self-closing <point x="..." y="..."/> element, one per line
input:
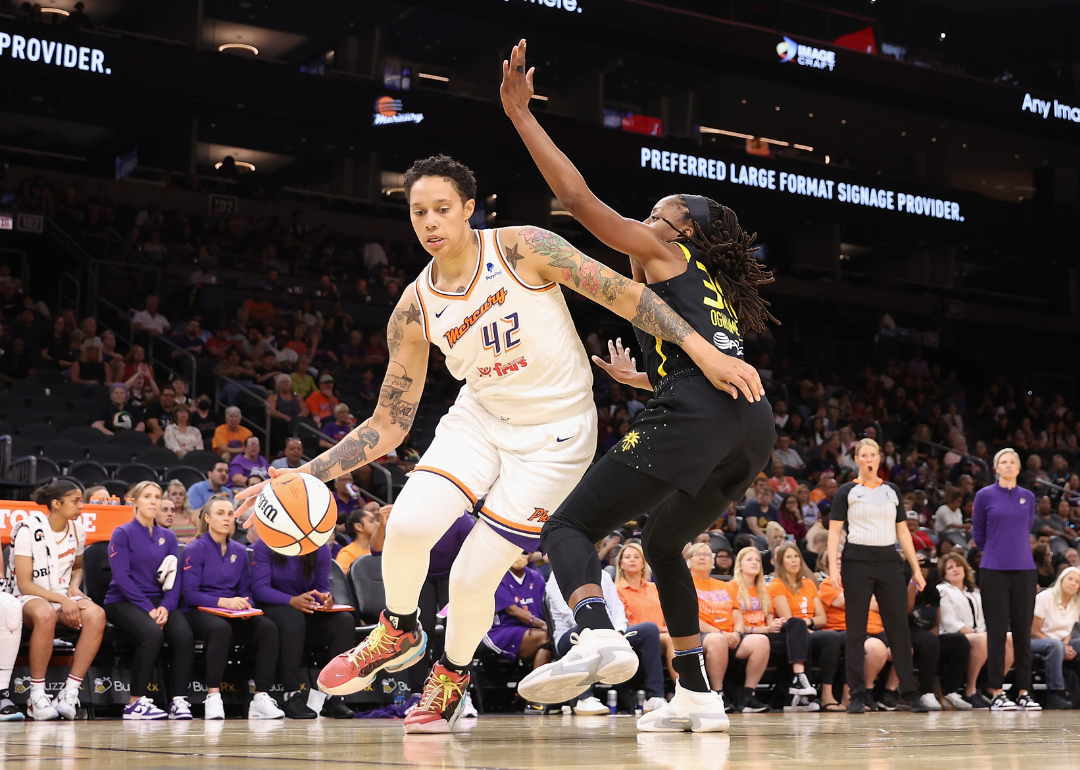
<point x="295" y="514"/>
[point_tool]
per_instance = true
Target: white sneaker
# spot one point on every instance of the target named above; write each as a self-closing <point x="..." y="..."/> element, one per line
<point x="264" y="707"/>
<point x="180" y="709"/>
<point x="468" y="710"/>
<point x="688" y="711"/>
<point x="956" y="702"/>
<point x="144" y="710"/>
<point x="802" y="703"/>
<point x="214" y="709"/>
<point x="40" y="709"/>
<point x="930" y="701"/>
<point x="652" y="704"/>
<point x="590" y="707"/>
<point x="598" y="655"/>
<point x="67" y="703"/>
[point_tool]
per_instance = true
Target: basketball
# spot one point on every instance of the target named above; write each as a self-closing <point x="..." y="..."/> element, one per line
<point x="295" y="514"/>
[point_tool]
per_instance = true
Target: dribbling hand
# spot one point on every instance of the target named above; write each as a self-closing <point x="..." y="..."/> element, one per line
<point x="517" y="84"/>
<point x="622" y="367"/>
<point x="246" y="498"/>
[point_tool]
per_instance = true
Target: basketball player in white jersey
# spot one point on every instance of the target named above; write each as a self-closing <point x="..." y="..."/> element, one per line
<point x="521" y="434"/>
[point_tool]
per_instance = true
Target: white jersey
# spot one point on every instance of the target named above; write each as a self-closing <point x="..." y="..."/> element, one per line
<point x="515" y="345"/>
<point x="54" y="553"/>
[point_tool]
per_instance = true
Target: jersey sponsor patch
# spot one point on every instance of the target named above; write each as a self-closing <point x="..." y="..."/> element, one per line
<point x="726" y="344"/>
<point x="501" y="370"/>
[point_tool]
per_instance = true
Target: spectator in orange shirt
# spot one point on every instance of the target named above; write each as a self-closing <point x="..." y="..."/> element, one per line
<point x="639" y="596"/>
<point x="819" y="492"/>
<point x="718" y="616"/>
<point x="229" y="439"/>
<point x="876" y="651"/>
<point x="361" y="526"/>
<point x="258" y="308"/>
<point x="782" y="485"/>
<point x="322" y="402"/>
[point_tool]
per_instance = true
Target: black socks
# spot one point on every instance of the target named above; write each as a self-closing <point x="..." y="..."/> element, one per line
<point x="453" y="667"/>
<point x="592" y="613"/>
<point x="690" y="666"/>
<point x="404" y="623"/>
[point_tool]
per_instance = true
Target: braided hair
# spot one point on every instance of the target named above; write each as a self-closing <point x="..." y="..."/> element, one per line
<point x="725" y="252"/>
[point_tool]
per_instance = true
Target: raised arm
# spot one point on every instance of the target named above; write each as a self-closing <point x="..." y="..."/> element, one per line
<point x="541" y="256"/>
<point x="393" y="417"/>
<point x="626" y="236"/>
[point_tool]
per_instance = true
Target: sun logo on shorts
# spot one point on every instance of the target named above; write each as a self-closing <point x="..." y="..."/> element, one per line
<point x="630" y="440"/>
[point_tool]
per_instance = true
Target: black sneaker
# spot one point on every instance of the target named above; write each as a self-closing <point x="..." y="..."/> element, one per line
<point x="1001" y="702"/>
<point x="9" y="712"/>
<point x="800" y="685"/>
<point x="1056" y="700"/>
<point x="748" y="704"/>
<point x="296" y="708"/>
<point x="857" y="705"/>
<point x="977" y="701"/>
<point x="889" y="700"/>
<point x="334" y="708"/>
<point x="1027" y="703"/>
<point x="914" y="704"/>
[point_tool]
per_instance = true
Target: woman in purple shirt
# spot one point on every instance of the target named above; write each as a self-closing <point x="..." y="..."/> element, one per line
<point x="216" y="574"/>
<point x="1001" y="526"/>
<point x="142" y="601"/>
<point x="293" y="591"/>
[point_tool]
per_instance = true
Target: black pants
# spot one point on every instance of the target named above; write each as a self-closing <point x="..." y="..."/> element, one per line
<point x="792" y="642"/>
<point x="1009" y="605"/>
<point x="612" y="493"/>
<point x="149" y="637"/>
<point x="296" y="630"/>
<point x="825" y="648"/>
<point x="218" y="634"/>
<point x="953" y="663"/>
<point x="869" y="571"/>
<point x="434" y="595"/>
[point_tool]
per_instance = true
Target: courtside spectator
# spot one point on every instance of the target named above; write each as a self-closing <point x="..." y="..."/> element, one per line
<point x="230" y="438"/>
<point x="346" y="496"/>
<point x="723" y="563"/>
<point x="294" y="592"/>
<point x="216" y="574"/>
<point x="633" y="581"/>
<point x="217" y="480"/>
<point x="293" y="457"/>
<point x="1057" y="610"/>
<point x="142" y="602"/>
<point x="361" y="525"/>
<point x="181" y="436"/>
<point x="720" y="621"/>
<point x="248" y="464"/>
<point x="47" y="555"/>
<point x="184" y="519"/>
<point x="519" y="631"/>
<point x="962" y="613"/>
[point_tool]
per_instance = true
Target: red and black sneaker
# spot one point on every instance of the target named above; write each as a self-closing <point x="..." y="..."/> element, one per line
<point x="441" y="703"/>
<point x="385" y="648"/>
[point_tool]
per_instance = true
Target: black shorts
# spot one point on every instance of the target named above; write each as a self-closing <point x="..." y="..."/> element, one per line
<point x="689" y="429"/>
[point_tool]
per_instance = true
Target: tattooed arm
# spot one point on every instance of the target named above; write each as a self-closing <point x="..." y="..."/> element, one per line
<point x="393" y="417"/>
<point x="540" y="256"/>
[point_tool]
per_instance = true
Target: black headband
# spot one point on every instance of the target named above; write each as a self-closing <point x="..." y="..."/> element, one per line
<point x="699" y="211"/>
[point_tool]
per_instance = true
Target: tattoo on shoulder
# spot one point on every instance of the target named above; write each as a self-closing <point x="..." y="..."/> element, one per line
<point x="350" y="453"/>
<point x="588" y="276"/>
<point x="395" y="329"/>
<point x="512" y="256"/>
<point x="655" y="317"/>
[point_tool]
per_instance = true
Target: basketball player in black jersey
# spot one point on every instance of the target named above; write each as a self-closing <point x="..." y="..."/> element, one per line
<point x="691" y="451"/>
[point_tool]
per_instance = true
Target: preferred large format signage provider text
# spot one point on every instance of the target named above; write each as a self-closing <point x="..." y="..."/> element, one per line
<point x="798" y="184"/>
<point x="41" y="51"/>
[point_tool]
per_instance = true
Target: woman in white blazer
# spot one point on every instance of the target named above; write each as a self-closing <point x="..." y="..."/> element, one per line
<point x="962" y="613"/>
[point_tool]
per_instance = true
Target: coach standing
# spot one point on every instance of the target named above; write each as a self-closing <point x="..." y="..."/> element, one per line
<point x="874" y="515"/>
<point x="1002" y="519"/>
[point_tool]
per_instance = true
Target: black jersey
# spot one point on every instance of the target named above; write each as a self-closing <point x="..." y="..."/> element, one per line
<point x="696" y="297"/>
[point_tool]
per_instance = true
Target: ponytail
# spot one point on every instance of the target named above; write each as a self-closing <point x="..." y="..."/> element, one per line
<point x="725" y="251"/>
<point x="55" y="490"/>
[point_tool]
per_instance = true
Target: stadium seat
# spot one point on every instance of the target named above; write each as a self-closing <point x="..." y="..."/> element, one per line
<point x="340" y="588"/>
<point x="202" y="459"/>
<point x="116" y="487"/>
<point x="46" y="469"/>
<point x="50" y="405"/>
<point x="11" y="403"/>
<point x="49" y="377"/>
<point x="20" y="447"/>
<point x="88" y="410"/>
<point x="133" y="473"/>
<point x="69" y="391"/>
<point x="38" y="433"/>
<point x="130" y="439"/>
<point x="365" y="577"/>
<point x="97" y="572"/>
<point x="718" y="541"/>
<point x="68" y="421"/>
<point x="157" y="457"/>
<point x="30" y="388"/>
<point x="84" y="435"/>
<point x="63" y="451"/>
<point x="185" y="474"/>
<point x="89" y="472"/>
<point x="107" y="455"/>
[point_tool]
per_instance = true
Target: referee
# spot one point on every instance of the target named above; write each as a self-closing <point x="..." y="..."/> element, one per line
<point x="875" y="520"/>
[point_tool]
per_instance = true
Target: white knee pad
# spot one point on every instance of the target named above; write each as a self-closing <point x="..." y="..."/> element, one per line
<point x="10" y="614"/>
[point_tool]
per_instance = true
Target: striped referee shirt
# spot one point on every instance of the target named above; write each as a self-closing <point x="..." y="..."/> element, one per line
<point x="871" y="513"/>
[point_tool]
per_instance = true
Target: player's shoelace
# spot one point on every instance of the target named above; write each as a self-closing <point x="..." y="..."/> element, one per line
<point x="437" y="693"/>
<point x="376" y="645"/>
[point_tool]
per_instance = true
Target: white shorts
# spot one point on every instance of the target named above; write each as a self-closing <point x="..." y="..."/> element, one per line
<point x="524" y="471"/>
<point x="26" y="598"/>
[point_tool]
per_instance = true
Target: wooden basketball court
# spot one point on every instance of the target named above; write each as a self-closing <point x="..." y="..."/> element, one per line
<point x="947" y="739"/>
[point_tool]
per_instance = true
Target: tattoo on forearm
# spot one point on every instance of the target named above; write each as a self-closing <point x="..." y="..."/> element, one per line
<point x="392" y="397"/>
<point x="590" y="277"/>
<point x="350" y="453"/>
<point x="655" y="317"/>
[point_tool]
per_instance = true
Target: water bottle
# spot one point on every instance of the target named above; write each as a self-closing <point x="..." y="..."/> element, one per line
<point x="612" y="700"/>
<point x="640" y="708"/>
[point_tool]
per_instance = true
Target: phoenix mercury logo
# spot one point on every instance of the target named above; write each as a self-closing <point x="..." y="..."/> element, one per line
<point x="455" y="334"/>
<point x="388" y="110"/>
